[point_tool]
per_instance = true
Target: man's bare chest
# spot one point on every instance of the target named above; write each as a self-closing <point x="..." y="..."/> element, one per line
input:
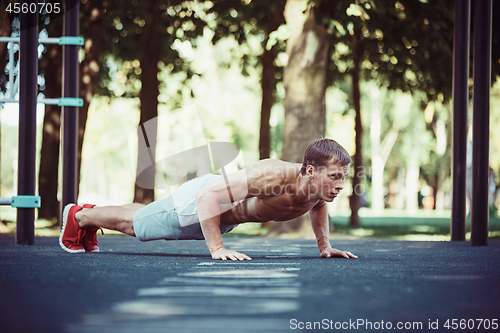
<point x="277" y="208"/>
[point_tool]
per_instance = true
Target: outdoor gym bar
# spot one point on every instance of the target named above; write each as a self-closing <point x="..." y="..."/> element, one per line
<point x="460" y="103"/>
<point x="481" y="123"/>
<point x="70" y="113"/>
<point x="28" y="72"/>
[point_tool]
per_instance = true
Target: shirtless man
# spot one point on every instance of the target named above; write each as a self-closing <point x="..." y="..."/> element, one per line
<point x="207" y="207"/>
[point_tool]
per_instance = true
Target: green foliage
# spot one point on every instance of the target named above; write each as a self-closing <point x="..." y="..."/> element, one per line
<point x="179" y="22"/>
<point x="243" y="19"/>
<point x="407" y="44"/>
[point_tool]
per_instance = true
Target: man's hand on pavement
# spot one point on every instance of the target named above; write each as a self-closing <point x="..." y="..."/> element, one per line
<point x="223" y="254"/>
<point x="330" y="252"/>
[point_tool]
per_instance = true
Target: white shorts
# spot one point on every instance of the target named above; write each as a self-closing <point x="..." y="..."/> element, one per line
<point x="175" y="217"/>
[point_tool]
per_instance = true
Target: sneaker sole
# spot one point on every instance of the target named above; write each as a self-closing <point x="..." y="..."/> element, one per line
<point x="63" y="227"/>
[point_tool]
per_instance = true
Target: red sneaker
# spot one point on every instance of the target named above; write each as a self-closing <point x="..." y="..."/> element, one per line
<point x="70" y="238"/>
<point x="89" y="239"/>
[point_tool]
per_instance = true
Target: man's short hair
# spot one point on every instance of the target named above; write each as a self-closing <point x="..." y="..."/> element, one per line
<point x="321" y="152"/>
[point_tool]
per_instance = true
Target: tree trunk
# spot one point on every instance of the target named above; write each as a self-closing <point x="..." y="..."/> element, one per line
<point x="441" y="143"/>
<point x="355" y="199"/>
<point x="414" y="160"/>
<point x="380" y="151"/>
<point x="268" y="85"/>
<point x="377" y="181"/>
<point x="48" y="174"/>
<point x="149" y="94"/>
<point x="412" y="176"/>
<point x="305" y="86"/>
<point x="399" y="201"/>
<point x="439" y="195"/>
<point x="89" y="70"/>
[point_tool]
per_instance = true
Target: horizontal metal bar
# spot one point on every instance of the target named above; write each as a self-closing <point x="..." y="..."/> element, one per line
<point x="9" y="39"/>
<point x="9" y="100"/>
<point x="71" y="40"/>
<point x="48" y="101"/>
<point x="50" y="40"/>
<point x="63" y="101"/>
<point x="26" y="201"/>
<point x="70" y="101"/>
<point x="5" y="201"/>
<point x="64" y="40"/>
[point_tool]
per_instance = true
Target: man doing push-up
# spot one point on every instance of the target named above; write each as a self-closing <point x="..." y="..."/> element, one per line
<point x="209" y="206"/>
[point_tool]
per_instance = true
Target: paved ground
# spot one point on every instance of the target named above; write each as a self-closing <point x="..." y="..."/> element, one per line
<point x="176" y="287"/>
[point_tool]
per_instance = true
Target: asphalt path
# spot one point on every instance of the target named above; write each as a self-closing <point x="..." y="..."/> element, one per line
<point x="176" y="287"/>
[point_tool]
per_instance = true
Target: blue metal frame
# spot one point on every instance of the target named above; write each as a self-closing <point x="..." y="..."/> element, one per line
<point x="26" y="201"/>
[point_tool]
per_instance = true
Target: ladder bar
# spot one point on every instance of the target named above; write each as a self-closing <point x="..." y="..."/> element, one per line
<point x="48" y="40"/>
<point x="5" y="201"/>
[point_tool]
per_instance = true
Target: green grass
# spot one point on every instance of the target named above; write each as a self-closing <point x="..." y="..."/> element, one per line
<point x="422" y="225"/>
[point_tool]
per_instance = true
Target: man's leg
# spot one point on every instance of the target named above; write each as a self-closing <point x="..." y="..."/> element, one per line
<point x="134" y="206"/>
<point x="119" y="218"/>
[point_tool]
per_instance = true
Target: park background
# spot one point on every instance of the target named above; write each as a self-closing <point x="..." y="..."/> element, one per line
<point x="376" y="76"/>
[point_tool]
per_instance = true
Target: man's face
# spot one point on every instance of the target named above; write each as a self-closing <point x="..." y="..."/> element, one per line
<point x="329" y="180"/>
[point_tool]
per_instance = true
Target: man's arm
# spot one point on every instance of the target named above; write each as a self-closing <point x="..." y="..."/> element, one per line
<point x="209" y="201"/>
<point x="209" y="213"/>
<point x="320" y="224"/>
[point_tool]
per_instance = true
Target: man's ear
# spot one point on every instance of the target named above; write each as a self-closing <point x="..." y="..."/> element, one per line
<point x="310" y="171"/>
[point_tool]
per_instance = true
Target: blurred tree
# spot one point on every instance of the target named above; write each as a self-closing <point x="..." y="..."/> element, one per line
<point x="438" y="169"/>
<point x="380" y="150"/>
<point x="305" y="84"/>
<point x="268" y="82"/>
<point x="393" y="42"/>
<point x="355" y="199"/>
<point x="155" y="25"/>
<point x="262" y="18"/>
<point x="414" y="53"/>
<point x="150" y="89"/>
<point x="389" y="111"/>
<point x="93" y="19"/>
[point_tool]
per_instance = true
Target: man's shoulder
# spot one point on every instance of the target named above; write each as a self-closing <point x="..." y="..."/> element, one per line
<point x="271" y="165"/>
<point x="270" y="173"/>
